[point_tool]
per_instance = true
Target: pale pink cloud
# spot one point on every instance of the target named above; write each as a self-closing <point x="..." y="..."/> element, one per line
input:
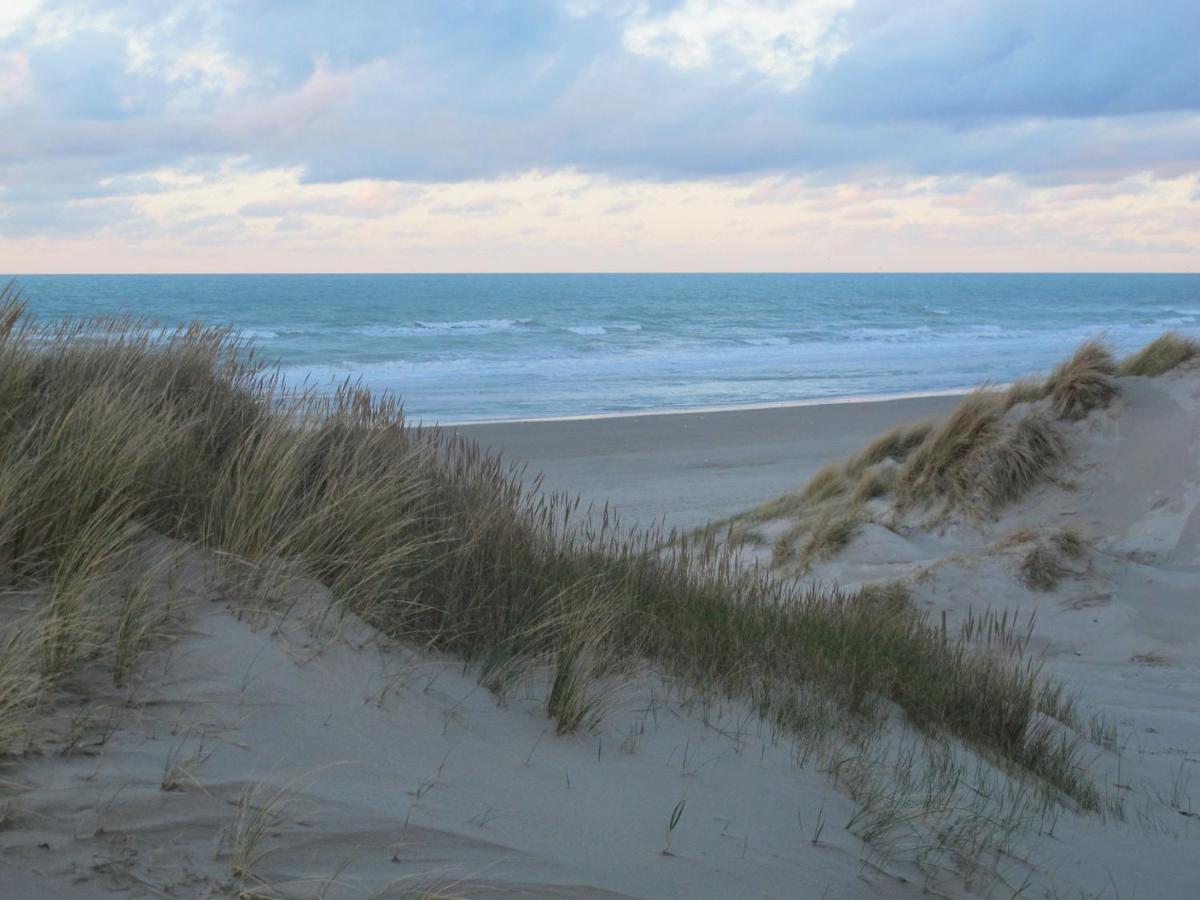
<point x="272" y="221"/>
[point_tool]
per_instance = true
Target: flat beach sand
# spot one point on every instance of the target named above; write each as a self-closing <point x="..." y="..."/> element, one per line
<point x="689" y="468"/>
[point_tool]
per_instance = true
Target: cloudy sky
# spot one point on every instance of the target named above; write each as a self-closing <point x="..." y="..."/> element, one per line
<point x="595" y="135"/>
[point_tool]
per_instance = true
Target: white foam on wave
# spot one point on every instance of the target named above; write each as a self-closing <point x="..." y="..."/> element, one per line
<point x="924" y="334"/>
<point x="470" y="324"/>
<point x="766" y="341"/>
<point x="606" y="328"/>
<point x="421" y="328"/>
<point x="917" y="333"/>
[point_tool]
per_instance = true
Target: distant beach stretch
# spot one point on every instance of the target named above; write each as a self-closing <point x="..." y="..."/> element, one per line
<point x="466" y="347"/>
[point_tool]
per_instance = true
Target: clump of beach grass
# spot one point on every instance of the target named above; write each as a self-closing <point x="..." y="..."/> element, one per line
<point x="1070" y="542"/>
<point x="1042" y="567"/>
<point x="1026" y="390"/>
<point x="1163" y="354"/>
<point x="893" y="445"/>
<point x="830" y="536"/>
<point x="1018" y="457"/>
<point x="936" y="469"/>
<point x="114" y="431"/>
<point x="990" y="451"/>
<point x="876" y="481"/>
<point x="979" y="459"/>
<point x="828" y="482"/>
<point x="829" y="508"/>
<point x="1084" y="382"/>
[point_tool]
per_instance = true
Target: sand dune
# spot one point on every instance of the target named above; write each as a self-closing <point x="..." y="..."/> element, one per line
<point x="381" y="771"/>
<point x="271" y="743"/>
<point x="1115" y="619"/>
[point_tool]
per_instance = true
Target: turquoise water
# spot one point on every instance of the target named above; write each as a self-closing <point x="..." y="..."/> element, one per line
<point x="466" y="347"/>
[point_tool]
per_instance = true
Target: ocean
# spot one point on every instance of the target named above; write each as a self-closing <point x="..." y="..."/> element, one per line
<point x="461" y="348"/>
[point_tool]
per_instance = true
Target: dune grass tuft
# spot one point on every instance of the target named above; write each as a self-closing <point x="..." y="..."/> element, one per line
<point x="1020" y="455"/>
<point x="892" y="445"/>
<point x="991" y="449"/>
<point x="876" y="481"/>
<point x="830" y="536"/>
<point x="1070" y="542"/>
<point x="828" y="482"/>
<point x="1041" y="569"/>
<point x="1163" y="354"/>
<point x="1084" y="382"/>
<point x="936" y="469"/>
<point x="979" y="459"/>
<point x="1026" y="390"/>
<point x="1042" y="566"/>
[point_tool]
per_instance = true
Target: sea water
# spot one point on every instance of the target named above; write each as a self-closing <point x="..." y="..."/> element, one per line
<point x="471" y="347"/>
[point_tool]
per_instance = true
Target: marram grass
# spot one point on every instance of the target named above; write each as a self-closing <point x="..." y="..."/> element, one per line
<point x="991" y="450"/>
<point x="111" y="430"/>
<point x="1163" y="354"/>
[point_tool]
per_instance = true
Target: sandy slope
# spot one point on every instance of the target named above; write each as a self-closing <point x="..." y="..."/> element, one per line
<point x="1122" y="626"/>
<point x="401" y="775"/>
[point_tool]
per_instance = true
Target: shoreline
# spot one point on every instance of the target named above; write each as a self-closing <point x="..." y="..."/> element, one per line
<point x="697" y="410"/>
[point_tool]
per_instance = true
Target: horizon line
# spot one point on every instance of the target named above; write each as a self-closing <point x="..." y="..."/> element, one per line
<point x="548" y="272"/>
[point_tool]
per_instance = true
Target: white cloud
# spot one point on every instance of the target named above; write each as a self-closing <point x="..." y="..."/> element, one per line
<point x="14" y="13"/>
<point x="781" y="39"/>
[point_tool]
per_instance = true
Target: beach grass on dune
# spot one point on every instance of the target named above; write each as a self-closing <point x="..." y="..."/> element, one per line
<point x="1163" y="354"/>
<point x="1084" y="381"/>
<point x="990" y="451"/>
<point x="112" y="431"/>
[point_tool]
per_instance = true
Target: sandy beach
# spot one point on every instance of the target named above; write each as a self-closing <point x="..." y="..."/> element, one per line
<point x="690" y="468"/>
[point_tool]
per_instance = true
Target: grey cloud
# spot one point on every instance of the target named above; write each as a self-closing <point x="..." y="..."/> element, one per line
<point x="1052" y="92"/>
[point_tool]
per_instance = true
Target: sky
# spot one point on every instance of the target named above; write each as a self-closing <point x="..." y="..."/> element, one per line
<point x="599" y="135"/>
